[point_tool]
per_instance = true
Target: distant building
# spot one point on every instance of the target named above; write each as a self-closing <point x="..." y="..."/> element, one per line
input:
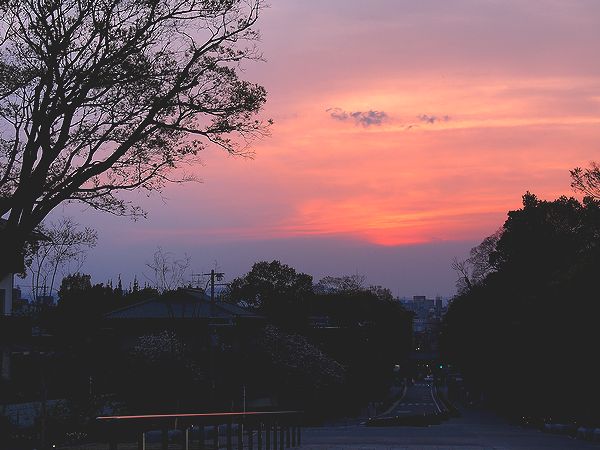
<point x="13" y="330"/>
<point x="439" y="306"/>
<point x="427" y="317"/>
<point x="184" y="304"/>
<point x="189" y="312"/>
<point x="422" y="306"/>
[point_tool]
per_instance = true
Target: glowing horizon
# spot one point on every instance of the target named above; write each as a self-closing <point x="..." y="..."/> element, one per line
<point x="391" y="183"/>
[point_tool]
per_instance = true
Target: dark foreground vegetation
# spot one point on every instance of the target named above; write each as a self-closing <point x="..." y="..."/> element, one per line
<point x="524" y="327"/>
<point x="327" y="349"/>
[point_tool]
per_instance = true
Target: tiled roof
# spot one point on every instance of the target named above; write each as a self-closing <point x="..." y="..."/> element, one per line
<point x="186" y="304"/>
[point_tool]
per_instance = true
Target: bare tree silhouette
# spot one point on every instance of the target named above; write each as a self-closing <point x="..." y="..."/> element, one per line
<point x="103" y="96"/>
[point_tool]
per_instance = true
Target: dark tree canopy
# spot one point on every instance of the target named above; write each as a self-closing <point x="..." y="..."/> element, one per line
<point x="344" y="322"/>
<point x="342" y="284"/>
<point x="103" y="96"/>
<point x="271" y="287"/>
<point x="481" y="262"/>
<point x="531" y="324"/>
<point x="587" y="180"/>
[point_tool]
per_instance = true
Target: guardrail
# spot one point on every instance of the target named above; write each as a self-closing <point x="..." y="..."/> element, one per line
<point x="274" y="430"/>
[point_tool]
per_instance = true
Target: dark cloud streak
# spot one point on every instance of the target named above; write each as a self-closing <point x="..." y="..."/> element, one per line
<point x="431" y="119"/>
<point x="364" y="118"/>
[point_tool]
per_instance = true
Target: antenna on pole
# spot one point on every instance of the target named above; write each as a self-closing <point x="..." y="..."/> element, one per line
<point x="213" y="275"/>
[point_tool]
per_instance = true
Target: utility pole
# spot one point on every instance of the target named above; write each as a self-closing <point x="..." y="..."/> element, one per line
<point x="212" y="330"/>
<point x="219" y="276"/>
<point x="213" y="275"/>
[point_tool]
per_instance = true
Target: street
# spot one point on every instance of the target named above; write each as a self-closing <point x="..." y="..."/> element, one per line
<point x="473" y="430"/>
<point x="419" y="400"/>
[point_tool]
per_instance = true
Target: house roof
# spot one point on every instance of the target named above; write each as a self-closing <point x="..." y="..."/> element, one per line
<point x="183" y="304"/>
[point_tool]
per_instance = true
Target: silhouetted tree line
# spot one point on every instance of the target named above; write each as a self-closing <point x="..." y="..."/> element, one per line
<point x="326" y="348"/>
<point x="68" y="335"/>
<point x="525" y="334"/>
<point x="81" y="304"/>
<point x="361" y="329"/>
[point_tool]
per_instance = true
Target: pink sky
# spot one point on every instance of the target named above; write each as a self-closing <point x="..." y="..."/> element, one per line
<point x="459" y="108"/>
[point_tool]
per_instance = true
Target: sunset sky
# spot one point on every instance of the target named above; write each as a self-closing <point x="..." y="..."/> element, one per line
<point x="403" y="133"/>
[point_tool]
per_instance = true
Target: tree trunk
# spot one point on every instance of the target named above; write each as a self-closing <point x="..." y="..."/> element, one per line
<point x="11" y="249"/>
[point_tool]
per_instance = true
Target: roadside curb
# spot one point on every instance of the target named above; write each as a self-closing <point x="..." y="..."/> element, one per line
<point x="580" y="433"/>
<point x="396" y="403"/>
<point x="420" y="420"/>
<point x="451" y="410"/>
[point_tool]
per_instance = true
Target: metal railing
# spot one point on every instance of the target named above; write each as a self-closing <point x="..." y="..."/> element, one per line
<point x="275" y="430"/>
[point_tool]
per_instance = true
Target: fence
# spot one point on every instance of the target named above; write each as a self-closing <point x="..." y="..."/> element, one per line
<point x="260" y="430"/>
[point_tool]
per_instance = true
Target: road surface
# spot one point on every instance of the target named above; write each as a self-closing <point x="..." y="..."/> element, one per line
<point x="473" y="430"/>
<point x="418" y="400"/>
